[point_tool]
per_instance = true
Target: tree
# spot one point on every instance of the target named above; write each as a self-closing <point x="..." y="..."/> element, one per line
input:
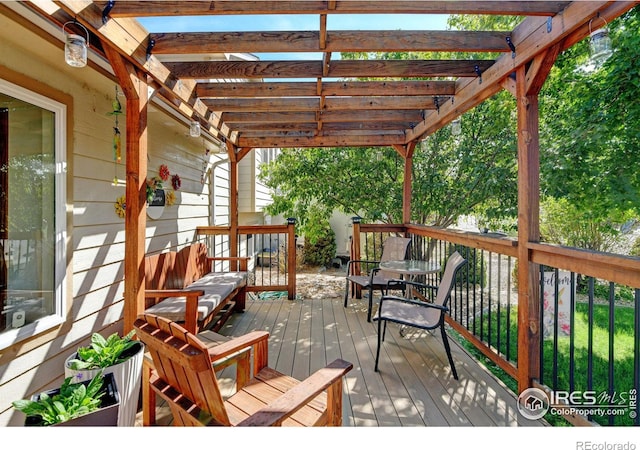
<point x="590" y="137"/>
<point x="451" y="176"/>
<point x="588" y="145"/>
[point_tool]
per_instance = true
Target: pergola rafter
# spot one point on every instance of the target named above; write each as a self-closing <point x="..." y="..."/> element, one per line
<point x="201" y="75"/>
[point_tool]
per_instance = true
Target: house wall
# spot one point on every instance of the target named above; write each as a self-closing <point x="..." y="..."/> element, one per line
<point x="253" y="195"/>
<point x="95" y="249"/>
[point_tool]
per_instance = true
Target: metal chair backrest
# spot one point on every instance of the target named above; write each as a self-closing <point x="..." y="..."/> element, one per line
<point x="394" y="249"/>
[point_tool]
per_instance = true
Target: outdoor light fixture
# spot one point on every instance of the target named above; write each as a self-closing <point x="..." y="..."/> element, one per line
<point x="456" y="127"/>
<point x="194" y="129"/>
<point x="599" y="44"/>
<point x="75" y="46"/>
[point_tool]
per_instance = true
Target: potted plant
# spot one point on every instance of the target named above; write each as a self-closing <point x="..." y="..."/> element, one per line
<point x="121" y="356"/>
<point x="90" y="403"/>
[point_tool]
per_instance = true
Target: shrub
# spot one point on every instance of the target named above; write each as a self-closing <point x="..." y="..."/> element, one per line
<point x="320" y="250"/>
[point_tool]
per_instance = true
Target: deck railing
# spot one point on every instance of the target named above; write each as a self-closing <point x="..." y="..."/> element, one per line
<point x="592" y="345"/>
<point x="271" y="249"/>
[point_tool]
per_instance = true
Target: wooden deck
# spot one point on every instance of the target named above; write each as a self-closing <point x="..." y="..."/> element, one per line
<point x="414" y="386"/>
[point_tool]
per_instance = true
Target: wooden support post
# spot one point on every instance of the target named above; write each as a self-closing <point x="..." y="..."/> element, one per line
<point x="233" y="200"/>
<point x="528" y="231"/>
<point x="529" y="82"/>
<point x="291" y="258"/>
<point x="134" y="85"/>
<point x="355" y="254"/>
<point x="406" y="151"/>
<point x="406" y="190"/>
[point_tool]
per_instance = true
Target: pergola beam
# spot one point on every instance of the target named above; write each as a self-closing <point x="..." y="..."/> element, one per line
<point x="322" y="141"/>
<point x="330" y="103"/>
<point x="180" y="7"/>
<point x="338" y="69"/>
<point x="335" y="41"/>
<point x="330" y="88"/>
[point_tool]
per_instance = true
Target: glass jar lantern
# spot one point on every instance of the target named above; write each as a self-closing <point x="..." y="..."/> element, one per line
<point x="600" y="46"/>
<point x="194" y="128"/>
<point x="75" y="47"/>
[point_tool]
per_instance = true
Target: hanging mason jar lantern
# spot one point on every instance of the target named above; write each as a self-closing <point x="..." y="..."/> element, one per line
<point x="599" y="44"/>
<point x="75" y="46"/>
<point x="194" y="128"/>
<point x="456" y="127"/>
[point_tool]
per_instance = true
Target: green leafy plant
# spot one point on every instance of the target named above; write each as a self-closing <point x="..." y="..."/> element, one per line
<point x="72" y="401"/>
<point x="103" y="352"/>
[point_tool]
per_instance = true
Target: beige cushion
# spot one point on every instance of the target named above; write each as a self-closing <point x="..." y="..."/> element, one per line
<point x="216" y="286"/>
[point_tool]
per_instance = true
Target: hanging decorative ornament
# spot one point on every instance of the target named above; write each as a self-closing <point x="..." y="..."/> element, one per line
<point x="117" y="143"/>
<point x="205" y="163"/>
<point x="117" y="138"/>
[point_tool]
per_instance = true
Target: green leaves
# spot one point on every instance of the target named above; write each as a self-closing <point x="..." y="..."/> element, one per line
<point x="103" y="352"/>
<point x="72" y="400"/>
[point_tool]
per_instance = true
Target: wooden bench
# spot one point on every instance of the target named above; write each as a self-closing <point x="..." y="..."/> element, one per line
<point x="183" y="287"/>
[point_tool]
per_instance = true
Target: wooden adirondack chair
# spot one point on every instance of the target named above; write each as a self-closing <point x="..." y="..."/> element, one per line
<point x="185" y="379"/>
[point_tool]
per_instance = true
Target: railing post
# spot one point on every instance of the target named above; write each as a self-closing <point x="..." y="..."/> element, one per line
<point x="355" y="251"/>
<point x="291" y="258"/>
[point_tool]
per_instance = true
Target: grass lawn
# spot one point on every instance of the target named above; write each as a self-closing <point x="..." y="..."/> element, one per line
<point x="623" y="354"/>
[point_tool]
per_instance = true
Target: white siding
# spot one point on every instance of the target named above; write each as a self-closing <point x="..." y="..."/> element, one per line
<point x="96" y="233"/>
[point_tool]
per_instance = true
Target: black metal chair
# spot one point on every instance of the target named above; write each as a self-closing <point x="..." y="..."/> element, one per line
<point x="421" y="314"/>
<point x="393" y="248"/>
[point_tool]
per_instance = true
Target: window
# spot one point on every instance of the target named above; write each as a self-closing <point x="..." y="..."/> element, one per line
<point x="32" y="213"/>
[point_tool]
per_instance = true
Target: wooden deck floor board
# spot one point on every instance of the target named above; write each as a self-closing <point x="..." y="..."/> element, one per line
<point x="414" y="387"/>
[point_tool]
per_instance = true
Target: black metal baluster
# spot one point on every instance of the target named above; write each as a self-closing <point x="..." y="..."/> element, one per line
<point x="466" y="271"/>
<point x="556" y="303"/>
<point x="475" y="312"/>
<point x="489" y="311"/>
<point x="636" y="355"/>
<point x="481" y="292"/>
<point x="541" y="328"/>
<point x="572" y="321"/>
<point x="498" y="311"/>
<point x="612" y="305"/>
<point x="509" y="309"/>
<point x="590" y="319"/>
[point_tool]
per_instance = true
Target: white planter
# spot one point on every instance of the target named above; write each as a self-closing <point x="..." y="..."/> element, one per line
<point x="128" y="376"/>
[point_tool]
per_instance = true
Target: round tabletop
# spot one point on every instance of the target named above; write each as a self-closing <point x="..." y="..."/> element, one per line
<point x="410" y="267"/>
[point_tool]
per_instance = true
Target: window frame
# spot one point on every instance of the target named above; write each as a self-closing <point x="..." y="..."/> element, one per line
<point x="59" y="110"/>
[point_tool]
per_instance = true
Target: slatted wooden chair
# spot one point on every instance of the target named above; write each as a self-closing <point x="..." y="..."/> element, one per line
<point x="185" y="379"/>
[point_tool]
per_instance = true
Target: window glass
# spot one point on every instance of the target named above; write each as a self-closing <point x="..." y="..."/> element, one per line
<point x="31" y="214"/>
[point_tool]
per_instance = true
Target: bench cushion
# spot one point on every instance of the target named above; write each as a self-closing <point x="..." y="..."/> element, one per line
<point x="217" y="287"/>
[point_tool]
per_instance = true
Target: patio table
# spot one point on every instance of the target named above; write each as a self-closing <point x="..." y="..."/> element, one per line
<point x="410" y="268"/>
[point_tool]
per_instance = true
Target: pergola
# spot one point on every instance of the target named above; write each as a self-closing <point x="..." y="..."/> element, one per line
<point x="403" y="102"/>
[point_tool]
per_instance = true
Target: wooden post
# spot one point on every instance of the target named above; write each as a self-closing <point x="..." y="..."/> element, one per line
<point x="406" y="151"/>
<point x="407" y="182"/>
<point x="134" y="85"/>
<point x="406" y="190"/>
<point x="355" y="254"/>
<point x="233" y="200"/>
<point x="528" y="84"/>
<point x="291" y="258"/>
<point x="528" y="231"/>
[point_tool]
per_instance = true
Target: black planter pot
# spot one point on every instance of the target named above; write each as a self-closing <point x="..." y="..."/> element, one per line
<point x="107" y="415"/>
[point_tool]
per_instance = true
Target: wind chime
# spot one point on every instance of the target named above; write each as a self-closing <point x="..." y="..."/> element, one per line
<point x="117" y="139"/>
<point x="205" y="162"/>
